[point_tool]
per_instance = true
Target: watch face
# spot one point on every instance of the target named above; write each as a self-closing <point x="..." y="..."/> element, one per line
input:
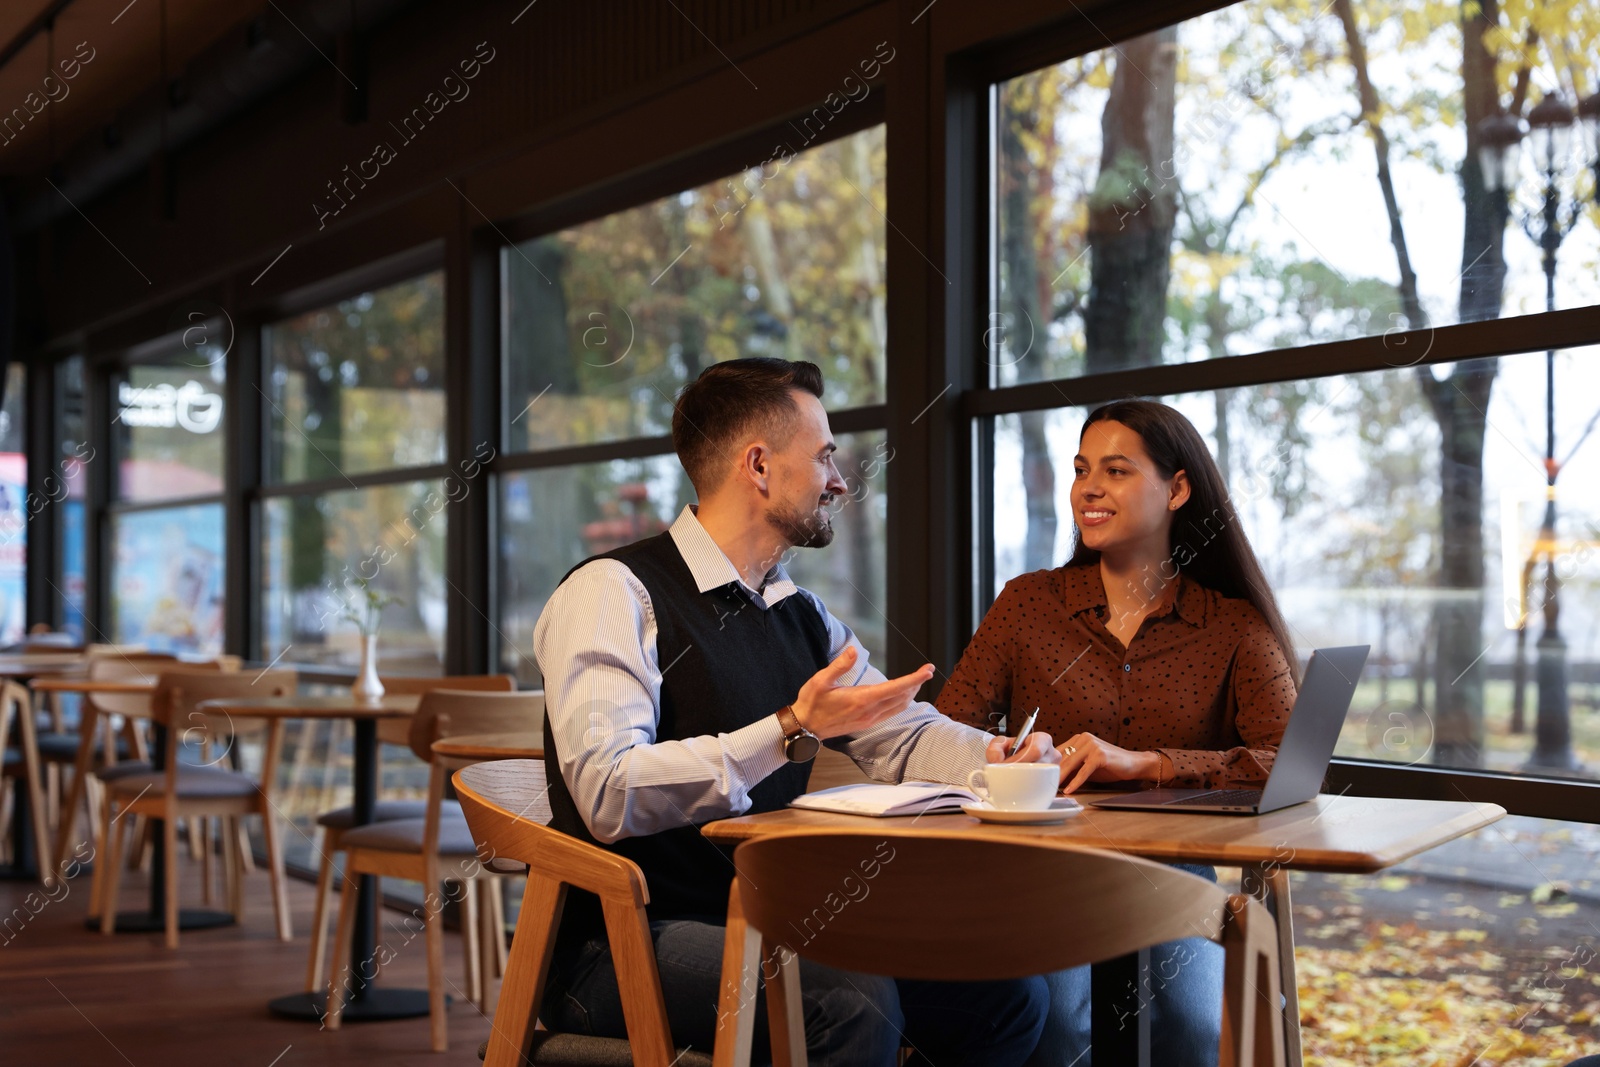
<point x="802" y="748"/>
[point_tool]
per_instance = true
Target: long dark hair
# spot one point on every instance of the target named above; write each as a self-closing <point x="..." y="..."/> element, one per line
<point x="1207" y="542"/>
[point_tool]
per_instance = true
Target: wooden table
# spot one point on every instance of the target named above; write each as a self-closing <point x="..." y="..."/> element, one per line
<point x="365" y="1001"/>
<point x="1353" y="835"/>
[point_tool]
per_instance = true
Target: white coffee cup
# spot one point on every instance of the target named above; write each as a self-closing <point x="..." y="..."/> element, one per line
<point x="1016" y="786"/>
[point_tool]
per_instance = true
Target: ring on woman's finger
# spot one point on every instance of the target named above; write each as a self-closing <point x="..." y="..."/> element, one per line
<point x="1068" y="750"/>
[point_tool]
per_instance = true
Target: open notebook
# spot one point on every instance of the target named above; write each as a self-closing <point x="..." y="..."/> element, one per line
<point x="907" y="798"/>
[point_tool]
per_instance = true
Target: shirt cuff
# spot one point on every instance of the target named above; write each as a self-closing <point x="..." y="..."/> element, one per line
<point x="757" y="750"/>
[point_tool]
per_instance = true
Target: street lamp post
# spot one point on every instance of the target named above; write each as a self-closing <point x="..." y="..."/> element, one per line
<point x="1549" y="129"/>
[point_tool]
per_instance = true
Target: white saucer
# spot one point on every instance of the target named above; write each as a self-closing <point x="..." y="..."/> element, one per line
<point x="1060" y="810"/>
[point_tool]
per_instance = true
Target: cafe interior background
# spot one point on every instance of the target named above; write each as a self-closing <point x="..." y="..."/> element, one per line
<point x="307" y="290"/>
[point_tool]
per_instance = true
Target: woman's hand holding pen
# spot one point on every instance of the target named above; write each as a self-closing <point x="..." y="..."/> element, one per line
<point x="1086" y="758"/>
<point x="1036" y="748"/>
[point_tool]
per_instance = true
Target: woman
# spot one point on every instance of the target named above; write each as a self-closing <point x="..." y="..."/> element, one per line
<point x="1158" y="653"/>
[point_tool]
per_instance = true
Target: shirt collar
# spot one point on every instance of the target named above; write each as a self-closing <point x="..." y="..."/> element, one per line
<point x="711" y="567"/>
<point x="1083" y="590"/>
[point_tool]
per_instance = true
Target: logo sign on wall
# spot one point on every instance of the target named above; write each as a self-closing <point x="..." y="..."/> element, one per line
<point x="189" y="406"/>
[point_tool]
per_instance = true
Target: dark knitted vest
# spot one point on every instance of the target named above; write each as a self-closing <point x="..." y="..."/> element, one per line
<point x="728" y="663"/>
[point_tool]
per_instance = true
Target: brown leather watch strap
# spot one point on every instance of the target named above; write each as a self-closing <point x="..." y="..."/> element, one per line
<point x="789" y="721"/>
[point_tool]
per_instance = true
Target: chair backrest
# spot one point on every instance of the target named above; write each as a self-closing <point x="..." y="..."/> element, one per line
<point x="398" y="731"/>
<point x="922" y="905"/>
<point x="863" y="900"/>
<point x="408" y="684"/>
<point x="180" y="690"/>
<point x="137" y="666"/>
<point x="506" y="804"/>
<point x="453" y="712"/>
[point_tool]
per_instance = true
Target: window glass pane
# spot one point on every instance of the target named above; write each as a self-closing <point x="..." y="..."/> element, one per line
<point x="849" y="575"/>
<point x="166" y="588"/>
<point x="316" y="548"/>
<point x="1202" y="190"/>
<point x="14" y="504"/>
<point x="170" y="427"/>
<point x="1489" y="934"/>
<point x="72" y="456"/>
<point x="357" y="386"/>
<point x="554" y="518"/>
<point x="604" y="322"/>
<point x="1337" y="483"/>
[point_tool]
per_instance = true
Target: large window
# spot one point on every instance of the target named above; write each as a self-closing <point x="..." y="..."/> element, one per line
<point x="358" y="386"/>
<point x="604" y="323"/>
<point x="165" y="525"/>
<point x="1220" y="189"/>
<point x="68" y="492"/>
<point x="14" y="505"/>
<point x="356" y="389"/>
<point x="1212" y="189"/>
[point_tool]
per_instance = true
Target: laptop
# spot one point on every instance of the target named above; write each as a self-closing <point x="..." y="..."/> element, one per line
<point x="1303" y="755"/>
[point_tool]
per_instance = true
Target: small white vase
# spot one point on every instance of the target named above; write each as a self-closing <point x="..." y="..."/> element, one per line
<point x="367" y="687"/>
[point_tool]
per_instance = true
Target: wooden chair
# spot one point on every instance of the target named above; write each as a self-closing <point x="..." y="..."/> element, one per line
<point x="21" y="761"/>
<point x="806" y="906"/>
<point x="98" y="743"/>
<point x="415" y="849"/>
<point x="182" y="790"/>
<point x="505" y="805"/>
<point x="334" y="823"/>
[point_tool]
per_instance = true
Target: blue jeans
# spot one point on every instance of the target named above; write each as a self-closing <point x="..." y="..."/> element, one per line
<point x="1183" y="989"/>
<point x="851" y="1020"/>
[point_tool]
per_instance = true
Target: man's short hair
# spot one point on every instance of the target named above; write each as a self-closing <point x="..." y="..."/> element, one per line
<point x="731" y="401"/>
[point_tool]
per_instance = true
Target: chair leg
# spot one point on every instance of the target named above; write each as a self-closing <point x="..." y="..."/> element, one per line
<point x="192" y="826"/>
<point x="341" y="945"/>
<point x="111" y="880"/>
<point x="230" y="844"/>
<point x="433" y="930"/>
<point x="1252" y="1022"/>
<point x="247" y="856"/>
<point x="498" y="911"/>
<point x="5" y="822"/>
<point x="169" y="833"/>
<point x="280" y="888"/>
<point x="206" y="866"/>
<point x="319" y="919"/>
<point x="471" y="948"/>
<point x="488" y="934"/>
<point x="786" y="1013"/>
<point x="526" y="970"/>
<point x="100" y="832"/>
<point x="52" y="793"/>
<point x="736" y="1002"/>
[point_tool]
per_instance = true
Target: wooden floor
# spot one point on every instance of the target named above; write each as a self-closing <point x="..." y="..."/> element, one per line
<point x="76" y="998"/>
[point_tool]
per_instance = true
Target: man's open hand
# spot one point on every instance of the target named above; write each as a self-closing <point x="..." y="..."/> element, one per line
<point x="829" y="709"/>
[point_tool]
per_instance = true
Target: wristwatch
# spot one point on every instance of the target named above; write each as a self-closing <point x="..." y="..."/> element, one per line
<point x="799" y="744"/>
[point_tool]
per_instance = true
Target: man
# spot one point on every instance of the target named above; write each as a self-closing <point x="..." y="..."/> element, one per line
<point x="688" y="679"/>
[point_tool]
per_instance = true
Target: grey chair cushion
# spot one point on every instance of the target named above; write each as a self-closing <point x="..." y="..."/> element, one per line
<point x="62" y="747"/>
<point x="384" y="811"/>
<point x="405" y="835"/>
<point x="576" y="1050"/>
<point x="193" y="782"/>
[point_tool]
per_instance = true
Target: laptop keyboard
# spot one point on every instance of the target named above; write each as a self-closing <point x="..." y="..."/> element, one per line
<point x="1227" y="797"/>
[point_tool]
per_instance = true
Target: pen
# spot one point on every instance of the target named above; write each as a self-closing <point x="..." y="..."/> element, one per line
<point x="1022" y="735"/>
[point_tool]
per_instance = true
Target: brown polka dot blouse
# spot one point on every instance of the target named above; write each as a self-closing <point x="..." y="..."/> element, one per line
<point x="1203" y="682"/>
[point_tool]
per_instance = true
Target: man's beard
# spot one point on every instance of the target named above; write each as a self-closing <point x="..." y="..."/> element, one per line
<point x="813" y="530"/>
